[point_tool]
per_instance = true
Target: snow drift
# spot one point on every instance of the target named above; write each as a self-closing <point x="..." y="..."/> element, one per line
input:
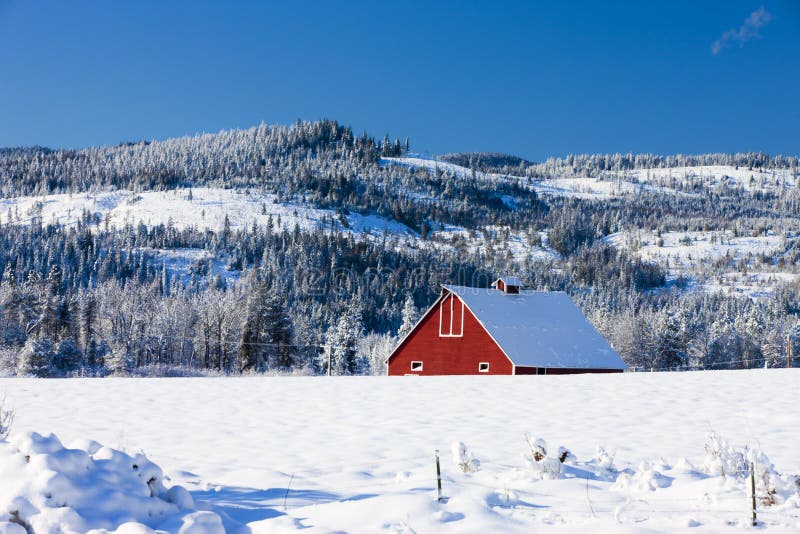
<point x="46" y="487"/>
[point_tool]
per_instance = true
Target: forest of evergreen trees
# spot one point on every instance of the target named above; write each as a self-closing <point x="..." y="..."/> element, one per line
<point x="94" y="299"/>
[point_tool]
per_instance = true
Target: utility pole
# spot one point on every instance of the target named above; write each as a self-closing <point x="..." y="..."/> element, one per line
<point x="789" y="351"/>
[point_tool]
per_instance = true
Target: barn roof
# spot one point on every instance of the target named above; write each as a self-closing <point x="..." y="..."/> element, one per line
<point x="540" y="328"/>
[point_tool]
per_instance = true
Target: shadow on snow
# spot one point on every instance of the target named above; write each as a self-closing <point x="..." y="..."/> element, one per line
<point x="246" y="505"/>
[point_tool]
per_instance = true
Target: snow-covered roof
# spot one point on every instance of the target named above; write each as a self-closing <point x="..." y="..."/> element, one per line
<point x="540" y="328"/>
<point x="511" y="281"/>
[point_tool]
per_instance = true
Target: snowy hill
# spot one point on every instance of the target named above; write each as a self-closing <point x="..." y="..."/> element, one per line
<point x="194" y="224"/>
<point x="354" y="454"/>
<point x="708" y="257"/>
<point x="773" y="180"/>
<point x="208" y="207"/>
<point x="202" y="207"/>
<point x="674" y="180"/>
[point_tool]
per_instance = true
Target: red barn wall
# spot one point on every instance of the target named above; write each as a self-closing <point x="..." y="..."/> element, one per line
<point x="449" y="355"/>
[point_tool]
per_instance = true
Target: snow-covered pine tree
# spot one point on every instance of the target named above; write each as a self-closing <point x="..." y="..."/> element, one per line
<point x="342" y="341"/>
<point x="88" y="317"/>
<point x="671" y="341"/>
<point x="67" y="358"/>
<point x="36" y="358"/>
<point x="410" y="316"/>
<point x="279" y="332"/>
<point x="120" y="361"/>
<point x="251" y="347"/>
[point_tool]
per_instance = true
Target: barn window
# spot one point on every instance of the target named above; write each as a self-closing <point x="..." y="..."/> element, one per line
<point x="451" y="317"/>
<point x="483" y="367"/>
<point x="416" y="366"/>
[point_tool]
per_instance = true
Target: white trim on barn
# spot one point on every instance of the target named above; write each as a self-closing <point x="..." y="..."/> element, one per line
<point x="452" y="315"/>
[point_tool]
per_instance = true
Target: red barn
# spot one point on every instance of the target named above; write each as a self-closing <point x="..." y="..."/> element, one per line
<point x="503" y="331"/>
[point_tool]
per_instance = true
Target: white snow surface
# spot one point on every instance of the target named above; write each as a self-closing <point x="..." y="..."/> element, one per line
<point x="694" y="255"/>
<point x="682" y="248"/>
<point x="201" y="207"/>
<point x="357" y="453"/>
<point x="579" y="187"/>
<point x="516" y="246"/>
<point x="595" y="188"/>
<point x="774" y="180"/>
<point x="46" y="487"/>
<point x="540" y="328"/>
<point x="616" y="184"/>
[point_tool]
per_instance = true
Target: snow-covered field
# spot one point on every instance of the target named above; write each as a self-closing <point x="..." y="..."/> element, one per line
<point x="357" y="454"/>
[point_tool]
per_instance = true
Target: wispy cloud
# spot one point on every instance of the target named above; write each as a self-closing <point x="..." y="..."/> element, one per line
<point x="747" y="31"/>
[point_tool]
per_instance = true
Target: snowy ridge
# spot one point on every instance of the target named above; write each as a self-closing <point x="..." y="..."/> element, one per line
<point x="672" y="181"/>
<point x="590" y="188"/>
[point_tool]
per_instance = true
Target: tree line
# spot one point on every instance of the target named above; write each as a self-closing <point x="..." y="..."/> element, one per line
<point x="96" y="299"/>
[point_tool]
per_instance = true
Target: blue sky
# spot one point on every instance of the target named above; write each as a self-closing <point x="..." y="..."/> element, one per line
<point x="528" y="78"/>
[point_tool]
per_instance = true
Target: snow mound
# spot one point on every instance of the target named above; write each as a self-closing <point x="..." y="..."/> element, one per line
<point x="46" y="487"/>
<point x="645" y="479"/>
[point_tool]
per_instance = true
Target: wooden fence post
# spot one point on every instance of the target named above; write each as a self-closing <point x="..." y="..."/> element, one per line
<point x="753" y="491"/>
<point x="438" y="476"/>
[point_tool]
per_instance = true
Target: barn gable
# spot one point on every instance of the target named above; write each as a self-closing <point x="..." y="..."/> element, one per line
<point x="448" y="340"/>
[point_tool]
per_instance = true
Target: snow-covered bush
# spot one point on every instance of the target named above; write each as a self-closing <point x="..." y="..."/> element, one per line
<point x="605" y="458"/>
<point x="463" y="458"/>
<point x="564" y="455"/>
<point x="770" y="486"/>
<point x="46" y="487"/>
<point x="548" y="468"/>
<point x="538" y="448"/>
<point x="723" y="459"/>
